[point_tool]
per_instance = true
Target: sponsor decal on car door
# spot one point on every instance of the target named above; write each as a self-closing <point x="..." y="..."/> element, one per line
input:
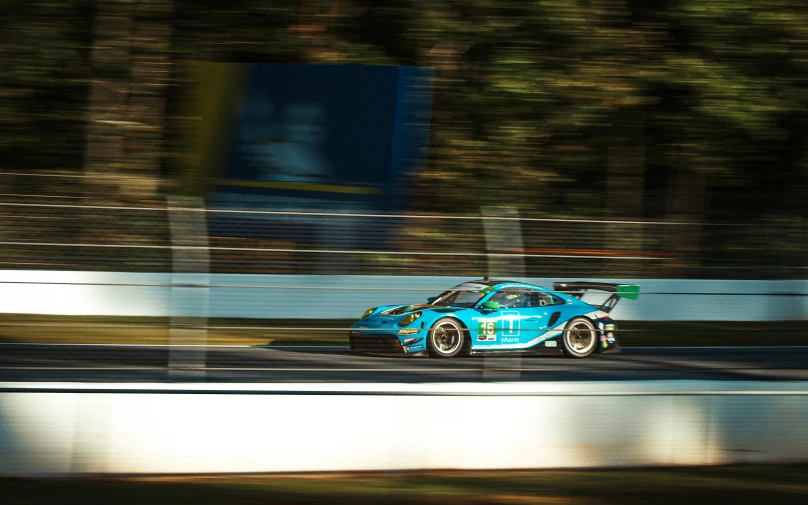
<point x="511" y="324"/>
<point x="503" y="327"/>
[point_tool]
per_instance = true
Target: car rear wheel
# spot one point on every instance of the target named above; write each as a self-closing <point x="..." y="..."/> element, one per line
<point x="580" y="338"/>
<point x="447" y="337"/>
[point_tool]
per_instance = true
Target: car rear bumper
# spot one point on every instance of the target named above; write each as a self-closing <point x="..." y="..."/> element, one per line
<point x="613" y="348"/>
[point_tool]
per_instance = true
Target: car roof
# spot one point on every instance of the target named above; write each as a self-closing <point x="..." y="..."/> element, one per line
<point x="506" y="284"/>
<point x="489" y="282"/>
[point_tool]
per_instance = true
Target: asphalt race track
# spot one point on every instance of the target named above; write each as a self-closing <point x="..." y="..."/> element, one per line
<point x="111" y="363"/>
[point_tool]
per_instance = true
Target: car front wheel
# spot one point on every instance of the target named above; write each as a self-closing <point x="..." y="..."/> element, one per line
<point x="446" y="338"/>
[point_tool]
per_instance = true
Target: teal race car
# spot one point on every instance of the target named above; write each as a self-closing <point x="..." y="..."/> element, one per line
<point x="496" y="315"/>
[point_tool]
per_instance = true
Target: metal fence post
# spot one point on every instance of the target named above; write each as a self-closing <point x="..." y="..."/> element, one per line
<point x="189" y="288"/>
<point x="503" y="236"/>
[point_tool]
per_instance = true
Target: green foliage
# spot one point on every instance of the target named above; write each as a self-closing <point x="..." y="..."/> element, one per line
<point x="43" y="83"/>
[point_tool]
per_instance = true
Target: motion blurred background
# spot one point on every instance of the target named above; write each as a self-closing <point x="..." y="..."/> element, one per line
<point x="328" y="142"/>
<point x="653" y="114"/>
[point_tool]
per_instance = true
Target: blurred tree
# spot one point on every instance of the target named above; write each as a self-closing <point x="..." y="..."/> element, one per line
<point x="43" y="83"/>
<point x="107" y="120"/>
<point x="731" y="103"/>
<point x="131" y="67"/>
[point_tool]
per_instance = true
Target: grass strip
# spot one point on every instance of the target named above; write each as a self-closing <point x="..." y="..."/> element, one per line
<point x="779" y="484"/>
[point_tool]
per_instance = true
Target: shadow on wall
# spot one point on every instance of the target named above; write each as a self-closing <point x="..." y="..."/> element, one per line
<point x="46" y="434"/>
<point x="686" y="430"/>
<point x="8" y="442"/>
<point x="616" y="431"/>
<point x="792" y="302"/>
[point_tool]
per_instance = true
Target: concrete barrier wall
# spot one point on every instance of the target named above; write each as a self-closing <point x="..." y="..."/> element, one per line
<point x="343" y="296"/>
<point x="89" y="429"/>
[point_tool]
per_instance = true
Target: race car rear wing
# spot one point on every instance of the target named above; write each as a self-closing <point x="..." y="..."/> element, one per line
<point x="577" y="289"/>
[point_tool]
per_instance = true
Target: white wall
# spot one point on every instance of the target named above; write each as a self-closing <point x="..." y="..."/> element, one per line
<point x="70" y="429"/>
<point x="344" y="296"/>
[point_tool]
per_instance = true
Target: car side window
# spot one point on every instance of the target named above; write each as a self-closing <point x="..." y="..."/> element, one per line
<point x="511" y="300"/>
<point x="542" y="299"/>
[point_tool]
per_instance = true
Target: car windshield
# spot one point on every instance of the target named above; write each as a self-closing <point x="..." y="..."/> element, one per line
<point x="464" y="298"/>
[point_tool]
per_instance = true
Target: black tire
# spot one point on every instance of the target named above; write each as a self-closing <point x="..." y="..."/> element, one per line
<point x="580" y="338"/>
<point x="446" y="338"/>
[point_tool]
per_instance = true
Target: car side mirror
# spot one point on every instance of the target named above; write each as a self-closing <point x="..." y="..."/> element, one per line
<point x="431" y="299"/>
<point x="492" y="306"/>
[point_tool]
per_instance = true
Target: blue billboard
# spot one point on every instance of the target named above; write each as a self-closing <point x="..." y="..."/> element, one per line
<point x="301" y="139"/>
<point x="310" y="138"/>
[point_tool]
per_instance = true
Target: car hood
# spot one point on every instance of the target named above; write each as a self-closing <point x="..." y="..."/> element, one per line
<point x="392" y="314"/>
<point x="400" y="310"/>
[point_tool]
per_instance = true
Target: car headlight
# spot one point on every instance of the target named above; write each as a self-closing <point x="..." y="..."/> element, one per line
<point x="368" y="312"/>
<point x="407" y="320"/>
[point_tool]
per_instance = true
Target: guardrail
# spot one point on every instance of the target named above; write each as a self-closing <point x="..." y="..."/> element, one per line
<point x="347" y="296"/>
<point x="102" y="429"/>
<point x="68" y="232"/>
